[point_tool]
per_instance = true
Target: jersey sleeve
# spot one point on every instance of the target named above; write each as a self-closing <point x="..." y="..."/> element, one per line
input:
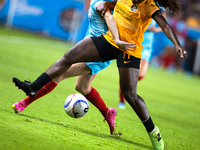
<point x="150" y="9"/>
<point x="96" y="4"/>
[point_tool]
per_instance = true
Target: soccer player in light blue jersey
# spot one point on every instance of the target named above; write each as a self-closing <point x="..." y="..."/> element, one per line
<point x="96" y="27"/>
<point x="86" y="72"/>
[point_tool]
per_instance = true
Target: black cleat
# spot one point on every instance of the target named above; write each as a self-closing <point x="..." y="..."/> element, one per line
<point x="25" y="86"/>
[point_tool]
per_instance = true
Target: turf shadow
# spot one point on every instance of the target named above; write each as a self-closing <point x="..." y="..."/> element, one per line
<point x="97" y="134"/>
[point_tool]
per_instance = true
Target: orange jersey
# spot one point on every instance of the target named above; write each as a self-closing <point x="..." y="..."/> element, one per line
<point x="132" y="21"/>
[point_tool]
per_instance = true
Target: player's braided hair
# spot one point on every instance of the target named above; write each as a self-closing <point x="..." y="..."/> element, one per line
<point x="173" y="5"/>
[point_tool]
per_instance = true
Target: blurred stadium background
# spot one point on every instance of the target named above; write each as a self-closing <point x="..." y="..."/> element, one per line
<point x="67" y="20"/>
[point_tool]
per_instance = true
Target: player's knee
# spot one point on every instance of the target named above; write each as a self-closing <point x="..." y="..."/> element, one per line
<point x="78" y="88"/>
<point x="81" y="89"/>
<point x="68" y="59"/>
<point x="129" y="95"/>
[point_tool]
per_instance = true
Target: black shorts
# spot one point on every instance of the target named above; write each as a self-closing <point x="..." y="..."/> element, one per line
<point x="108" y="52"/>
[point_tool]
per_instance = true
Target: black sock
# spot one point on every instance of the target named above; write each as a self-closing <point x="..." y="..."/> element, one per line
<point x="41" y="81"/>
<point x="149" y="125"/>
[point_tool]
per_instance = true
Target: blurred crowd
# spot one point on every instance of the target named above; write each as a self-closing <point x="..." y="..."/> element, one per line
<point x="187" y="20"/>
<point x="191" y="9"/>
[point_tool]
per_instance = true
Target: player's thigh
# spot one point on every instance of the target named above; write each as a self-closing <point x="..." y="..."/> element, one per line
<point x="76" y="69"/>
<point x="128" y="72"/>
<point x="83" y="51"/>
<point x="128" y="80"/>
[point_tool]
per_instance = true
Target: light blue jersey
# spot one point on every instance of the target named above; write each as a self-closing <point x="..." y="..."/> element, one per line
<point x="148" y="43"/>
<point x="96" y="27"/>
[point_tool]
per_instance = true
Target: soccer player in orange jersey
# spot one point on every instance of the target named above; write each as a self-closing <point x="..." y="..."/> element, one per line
<point x="133" y="18"/>
<point x="146" y="54"/>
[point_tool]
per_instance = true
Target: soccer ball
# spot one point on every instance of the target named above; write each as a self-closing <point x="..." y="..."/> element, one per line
<point x="76" y="105"/>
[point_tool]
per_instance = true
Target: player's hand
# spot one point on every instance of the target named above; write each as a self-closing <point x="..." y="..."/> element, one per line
<point x="101" y="9"/>
<point x="181" y="51"/>
<point x="125" y="46"/>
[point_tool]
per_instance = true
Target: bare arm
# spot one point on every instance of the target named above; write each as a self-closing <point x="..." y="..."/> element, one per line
<point x="155" y="29"/>
<point x="169" y="32"/>
<point x="112" y="25"/>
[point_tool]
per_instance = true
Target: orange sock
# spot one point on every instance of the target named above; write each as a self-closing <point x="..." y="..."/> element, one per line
<point x="43" y="91"/>
<point x="94" y="97"/>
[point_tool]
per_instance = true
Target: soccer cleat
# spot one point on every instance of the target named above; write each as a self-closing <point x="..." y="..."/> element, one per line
<point x="19" y="106"/>
<point x="110" y="118"/>
<point x="156" y="139"/>
<point x="24" y="86"/>
<point x="121" y="105"/>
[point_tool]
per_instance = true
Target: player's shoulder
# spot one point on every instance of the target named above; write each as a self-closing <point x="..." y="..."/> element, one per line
<point x="150" y="7"/>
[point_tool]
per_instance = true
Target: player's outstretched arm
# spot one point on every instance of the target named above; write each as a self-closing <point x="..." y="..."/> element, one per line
<point x="112" y="25"/>
<point x="169" y="32"/>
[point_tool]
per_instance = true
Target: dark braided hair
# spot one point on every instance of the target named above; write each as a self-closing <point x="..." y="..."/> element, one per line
<point x="173" y="5"/>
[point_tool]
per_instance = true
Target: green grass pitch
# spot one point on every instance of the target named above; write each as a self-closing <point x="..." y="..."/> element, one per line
<point x="173" y="102"/>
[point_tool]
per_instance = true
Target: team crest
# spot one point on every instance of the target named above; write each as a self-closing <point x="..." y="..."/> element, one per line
<point x="133" y="7"/>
